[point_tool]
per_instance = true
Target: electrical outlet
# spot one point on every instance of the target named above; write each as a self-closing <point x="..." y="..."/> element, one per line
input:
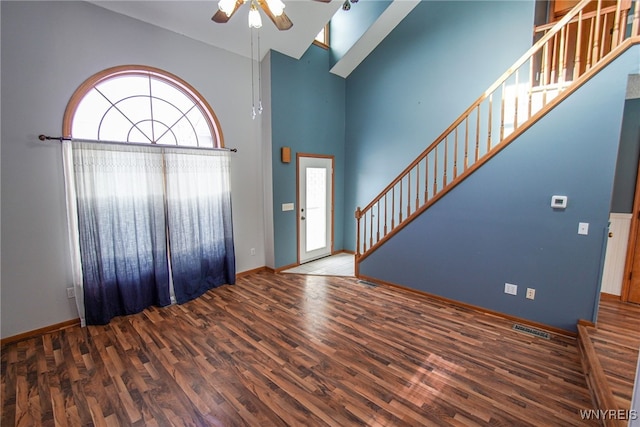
<point x="70" y="293"/>
<point x="253" y="251"/>
<point x="510" y="289"/>
<point x="531" y="293"/>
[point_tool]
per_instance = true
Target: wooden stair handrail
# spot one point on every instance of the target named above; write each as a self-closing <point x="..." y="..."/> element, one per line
<point x="558" y="71"/>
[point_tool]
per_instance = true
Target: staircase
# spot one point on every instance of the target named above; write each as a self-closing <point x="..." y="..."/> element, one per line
<point x="565" y="56"/>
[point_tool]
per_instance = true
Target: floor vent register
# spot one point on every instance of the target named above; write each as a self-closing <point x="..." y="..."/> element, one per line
<point x="531" y="331"/>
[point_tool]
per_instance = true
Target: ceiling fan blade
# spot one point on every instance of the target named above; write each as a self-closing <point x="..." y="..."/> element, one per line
<point x="221" y="17"/>
<point x="282" y="22"/>
<point x="323" y="1"/>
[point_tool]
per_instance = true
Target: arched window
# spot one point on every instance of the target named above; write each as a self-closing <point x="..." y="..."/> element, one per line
<point x="141" y="104"/>
<point x="149" y="209"/>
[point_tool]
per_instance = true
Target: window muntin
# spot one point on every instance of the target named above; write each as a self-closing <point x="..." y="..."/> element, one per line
<point x="141" y="105"/>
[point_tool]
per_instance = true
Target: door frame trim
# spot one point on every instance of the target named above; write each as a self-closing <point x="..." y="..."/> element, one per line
<point x="333" y="189"/>
<point x="631" y="245"/>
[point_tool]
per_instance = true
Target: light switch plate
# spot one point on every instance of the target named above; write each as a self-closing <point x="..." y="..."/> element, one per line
<point x="511" y="289"/>
<point x="583" y="228"/>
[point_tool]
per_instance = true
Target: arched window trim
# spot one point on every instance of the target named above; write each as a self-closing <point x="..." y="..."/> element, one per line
<point x="141" y="70"/>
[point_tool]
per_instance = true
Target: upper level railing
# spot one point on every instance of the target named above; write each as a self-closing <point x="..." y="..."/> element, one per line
<point x="580" y="43"/>
<point x="565" y="51"/>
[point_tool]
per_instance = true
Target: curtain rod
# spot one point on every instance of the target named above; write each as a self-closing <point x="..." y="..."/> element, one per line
<point x="63" y="138"/>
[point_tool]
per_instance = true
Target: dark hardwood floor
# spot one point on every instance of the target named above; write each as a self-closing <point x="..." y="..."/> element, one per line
<point x="616" y="341"/>
<point x="277" y="350"/>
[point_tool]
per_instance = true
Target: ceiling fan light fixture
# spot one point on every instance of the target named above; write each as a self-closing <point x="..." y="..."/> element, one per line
<point x="227" y="6"/>
<point x="276" y="7"/>
<point x="255" y="21"/>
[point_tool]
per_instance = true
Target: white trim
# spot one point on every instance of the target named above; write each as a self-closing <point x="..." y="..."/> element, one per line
<point x="616" y="254"/>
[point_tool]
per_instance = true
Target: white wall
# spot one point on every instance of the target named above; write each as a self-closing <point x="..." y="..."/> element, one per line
<point x="48" y="50"/>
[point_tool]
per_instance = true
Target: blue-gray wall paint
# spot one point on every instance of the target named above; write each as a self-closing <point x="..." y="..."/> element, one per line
<point x="307" y="105"/>
<point x="346" y="27"/>
<point x="497" y="226"/>
<point x="627" y="165"/>
<point x="429" y="69"/>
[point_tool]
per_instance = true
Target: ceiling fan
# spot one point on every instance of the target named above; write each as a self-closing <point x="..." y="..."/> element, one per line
<point x="274" y="9"/>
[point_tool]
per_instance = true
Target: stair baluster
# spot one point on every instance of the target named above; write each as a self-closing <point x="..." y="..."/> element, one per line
<point x="536" y="82"/>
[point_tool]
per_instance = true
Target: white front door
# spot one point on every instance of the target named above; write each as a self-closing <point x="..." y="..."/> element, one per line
<point x="315" y="207"/>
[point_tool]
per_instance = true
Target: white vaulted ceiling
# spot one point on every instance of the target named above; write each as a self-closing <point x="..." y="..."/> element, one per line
<point x="192" y="18"/>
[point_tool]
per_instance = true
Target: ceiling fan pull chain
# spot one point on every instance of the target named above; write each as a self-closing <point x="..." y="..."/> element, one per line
<point x="253" y="95"/>
<point x="259" y="79"/>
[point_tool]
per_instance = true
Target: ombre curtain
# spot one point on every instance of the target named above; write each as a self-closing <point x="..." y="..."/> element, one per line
<point x="199" y="219"/>
<point x="140" y="216"/>
<point x="121" y="229"/>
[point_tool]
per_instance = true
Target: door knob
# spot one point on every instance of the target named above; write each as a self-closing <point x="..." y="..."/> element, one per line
<point x="302" y="218"/>
<point x="610" y="234"/>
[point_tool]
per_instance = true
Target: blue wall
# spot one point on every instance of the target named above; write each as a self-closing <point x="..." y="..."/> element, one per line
<point x="346" y="27"/>
<point x="308" y="111"/>
<point x="431" y="67"/>
<point x="497" y="226"/>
